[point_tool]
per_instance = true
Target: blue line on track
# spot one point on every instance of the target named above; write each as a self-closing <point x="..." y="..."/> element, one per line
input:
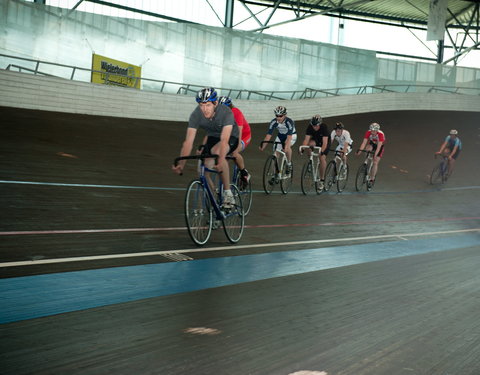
<point x="332" y="192"/>
<point x="44" y="295"/>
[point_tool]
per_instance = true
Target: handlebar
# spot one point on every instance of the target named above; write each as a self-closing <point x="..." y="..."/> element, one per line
<point x="313" y="148"/>
<point x="337" y="151"/>
<point x="196" y="157"/>
<point x="367" y="152"/>
<point x="273" y="142"/>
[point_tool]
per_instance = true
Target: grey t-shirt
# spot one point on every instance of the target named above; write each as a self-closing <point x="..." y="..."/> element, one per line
<point x="223" y="116"/>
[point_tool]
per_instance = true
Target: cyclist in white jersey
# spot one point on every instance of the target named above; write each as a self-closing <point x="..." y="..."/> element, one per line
<point x="343" y="138"/>
<point x="287" y="134"/>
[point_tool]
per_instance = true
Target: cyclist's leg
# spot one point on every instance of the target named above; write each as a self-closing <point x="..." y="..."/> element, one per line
<point x="323" y="163"/>
<point x="223" y="165"/>
<point x="376" y="161"/>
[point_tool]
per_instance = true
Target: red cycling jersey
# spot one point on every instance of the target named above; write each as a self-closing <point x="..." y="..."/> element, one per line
<point x="242" y="122"/>
<point x="379" y="137"/>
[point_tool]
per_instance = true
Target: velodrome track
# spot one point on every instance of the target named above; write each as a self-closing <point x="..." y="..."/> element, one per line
<point x="345" y="283"/>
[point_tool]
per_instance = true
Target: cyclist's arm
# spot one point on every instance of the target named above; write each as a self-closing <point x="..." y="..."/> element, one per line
<point x="442" y="147"/>
<point x="306" y="140"/>
<point x="362" y="146"/>
<point x="453" y="152"/>
<point x="267" y="138"/>
<point x="186" y="149"/>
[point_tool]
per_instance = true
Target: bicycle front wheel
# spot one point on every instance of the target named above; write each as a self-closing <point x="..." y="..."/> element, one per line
<point x="307" y="180"/>
<point x="330" y="175"/>
<point x="361" y="179"/>
<point x="436" y="177"/>
<point x="286" y="179"/>
<point x="198" y="213"/>
<point x="342" y="178"/>
<point x="269" y="174"/>
<point x="234" y="220"/>
<point x="246" y="194"/>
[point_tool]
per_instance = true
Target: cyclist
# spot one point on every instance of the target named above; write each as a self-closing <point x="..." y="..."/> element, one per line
<point x="245" y="137"/>
<point x="451" y="147"/>
<point x="222" y="135"/>
<point x="287" y="134"/>
<point x="317" y="135"/>
<point x="343" y="139"/>
<point x="373" y="140"/>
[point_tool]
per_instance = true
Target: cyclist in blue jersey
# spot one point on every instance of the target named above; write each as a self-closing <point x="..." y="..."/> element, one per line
<point x="287" y="134"/>
<point x="222" y="135"/>
<point x="451" y="147"/>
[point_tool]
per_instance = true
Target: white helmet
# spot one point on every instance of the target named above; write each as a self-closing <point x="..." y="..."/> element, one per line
<point x="453" y="132"/>
<point x="374" y="126"/>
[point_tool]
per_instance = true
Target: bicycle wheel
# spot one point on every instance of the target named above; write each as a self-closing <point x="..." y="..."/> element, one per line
<point x="198" y="213"/>
<point x="361" y="178"/>
<point x="342" y="178"/>
<point x="286" y="179"/>
<point x="307" y="180"/>
<point x="245" y="193"/>
<point x="269" y="174"/>
<point x="330" y="175"/>
<point x="234" y="220"/>
<point x="437" y="176"/>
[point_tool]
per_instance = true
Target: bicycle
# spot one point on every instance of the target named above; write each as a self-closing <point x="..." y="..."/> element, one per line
<point x="275" y="172"/>
<point x="310" y="177"/>
<point x="440" y="171"/>
<point x="202" y="205"/>
<point x="336" y="172"/>
<point x="362" y="179"/>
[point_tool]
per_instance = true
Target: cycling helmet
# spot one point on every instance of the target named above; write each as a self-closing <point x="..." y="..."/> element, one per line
<point x="208" y="94"/>
<point x="280" y="111"/>
<point x="225" y="100"/>
<point x="339" y="125"/>
<point x="374" y="126"/>
<point x="453" y="132"/>
<point x="316" y="120"/>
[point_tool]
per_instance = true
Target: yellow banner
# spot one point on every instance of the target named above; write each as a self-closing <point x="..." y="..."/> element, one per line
<point x="114" y="72"/>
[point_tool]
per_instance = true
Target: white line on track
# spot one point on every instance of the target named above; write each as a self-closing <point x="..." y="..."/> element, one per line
<point x="223" y="248"/>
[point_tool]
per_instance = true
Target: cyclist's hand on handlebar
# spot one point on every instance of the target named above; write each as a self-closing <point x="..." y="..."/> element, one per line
<point x="178" y="169"/>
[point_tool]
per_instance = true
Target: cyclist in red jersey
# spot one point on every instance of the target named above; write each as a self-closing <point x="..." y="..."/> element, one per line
<point x="373" y="140"/>
<point x="245" y="136"/>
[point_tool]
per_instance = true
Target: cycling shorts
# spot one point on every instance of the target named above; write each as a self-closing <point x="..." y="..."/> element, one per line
<point x="212" y="141"/>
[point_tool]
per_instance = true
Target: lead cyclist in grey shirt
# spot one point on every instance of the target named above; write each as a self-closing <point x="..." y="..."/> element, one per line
<point x="222" y="132"/>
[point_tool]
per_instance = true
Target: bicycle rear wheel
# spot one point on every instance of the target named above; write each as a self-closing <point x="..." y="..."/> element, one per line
<point x="269" y="174"/>
<point x="307" y="180"/>
<point x="198" y="213"/>
<point x="246" y="194"/>
<point x="361" y="178"/>
<point x="330" y="174"/>
<point x="286" y="178"/>
<point x="234" y="220"/>
<point x="342" y="178"/>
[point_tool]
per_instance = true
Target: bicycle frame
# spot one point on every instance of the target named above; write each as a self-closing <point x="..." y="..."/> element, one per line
<point x="440" y="171"/>
<point x="278" y="173"/>
<point x="364" y="171"/>
<point x="314" y="157"/>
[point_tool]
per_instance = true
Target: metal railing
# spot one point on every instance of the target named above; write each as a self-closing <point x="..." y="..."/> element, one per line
<point x="163" y="86"/>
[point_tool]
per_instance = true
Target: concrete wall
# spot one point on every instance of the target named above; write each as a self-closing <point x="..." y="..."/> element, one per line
<point x="22" y="90"/>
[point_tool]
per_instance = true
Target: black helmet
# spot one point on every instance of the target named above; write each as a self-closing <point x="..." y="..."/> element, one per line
<point x="339" y="125"/>
<point x="225" y="100"/>
<point x="208" y="94"/>
<point x="316" y="120"/>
